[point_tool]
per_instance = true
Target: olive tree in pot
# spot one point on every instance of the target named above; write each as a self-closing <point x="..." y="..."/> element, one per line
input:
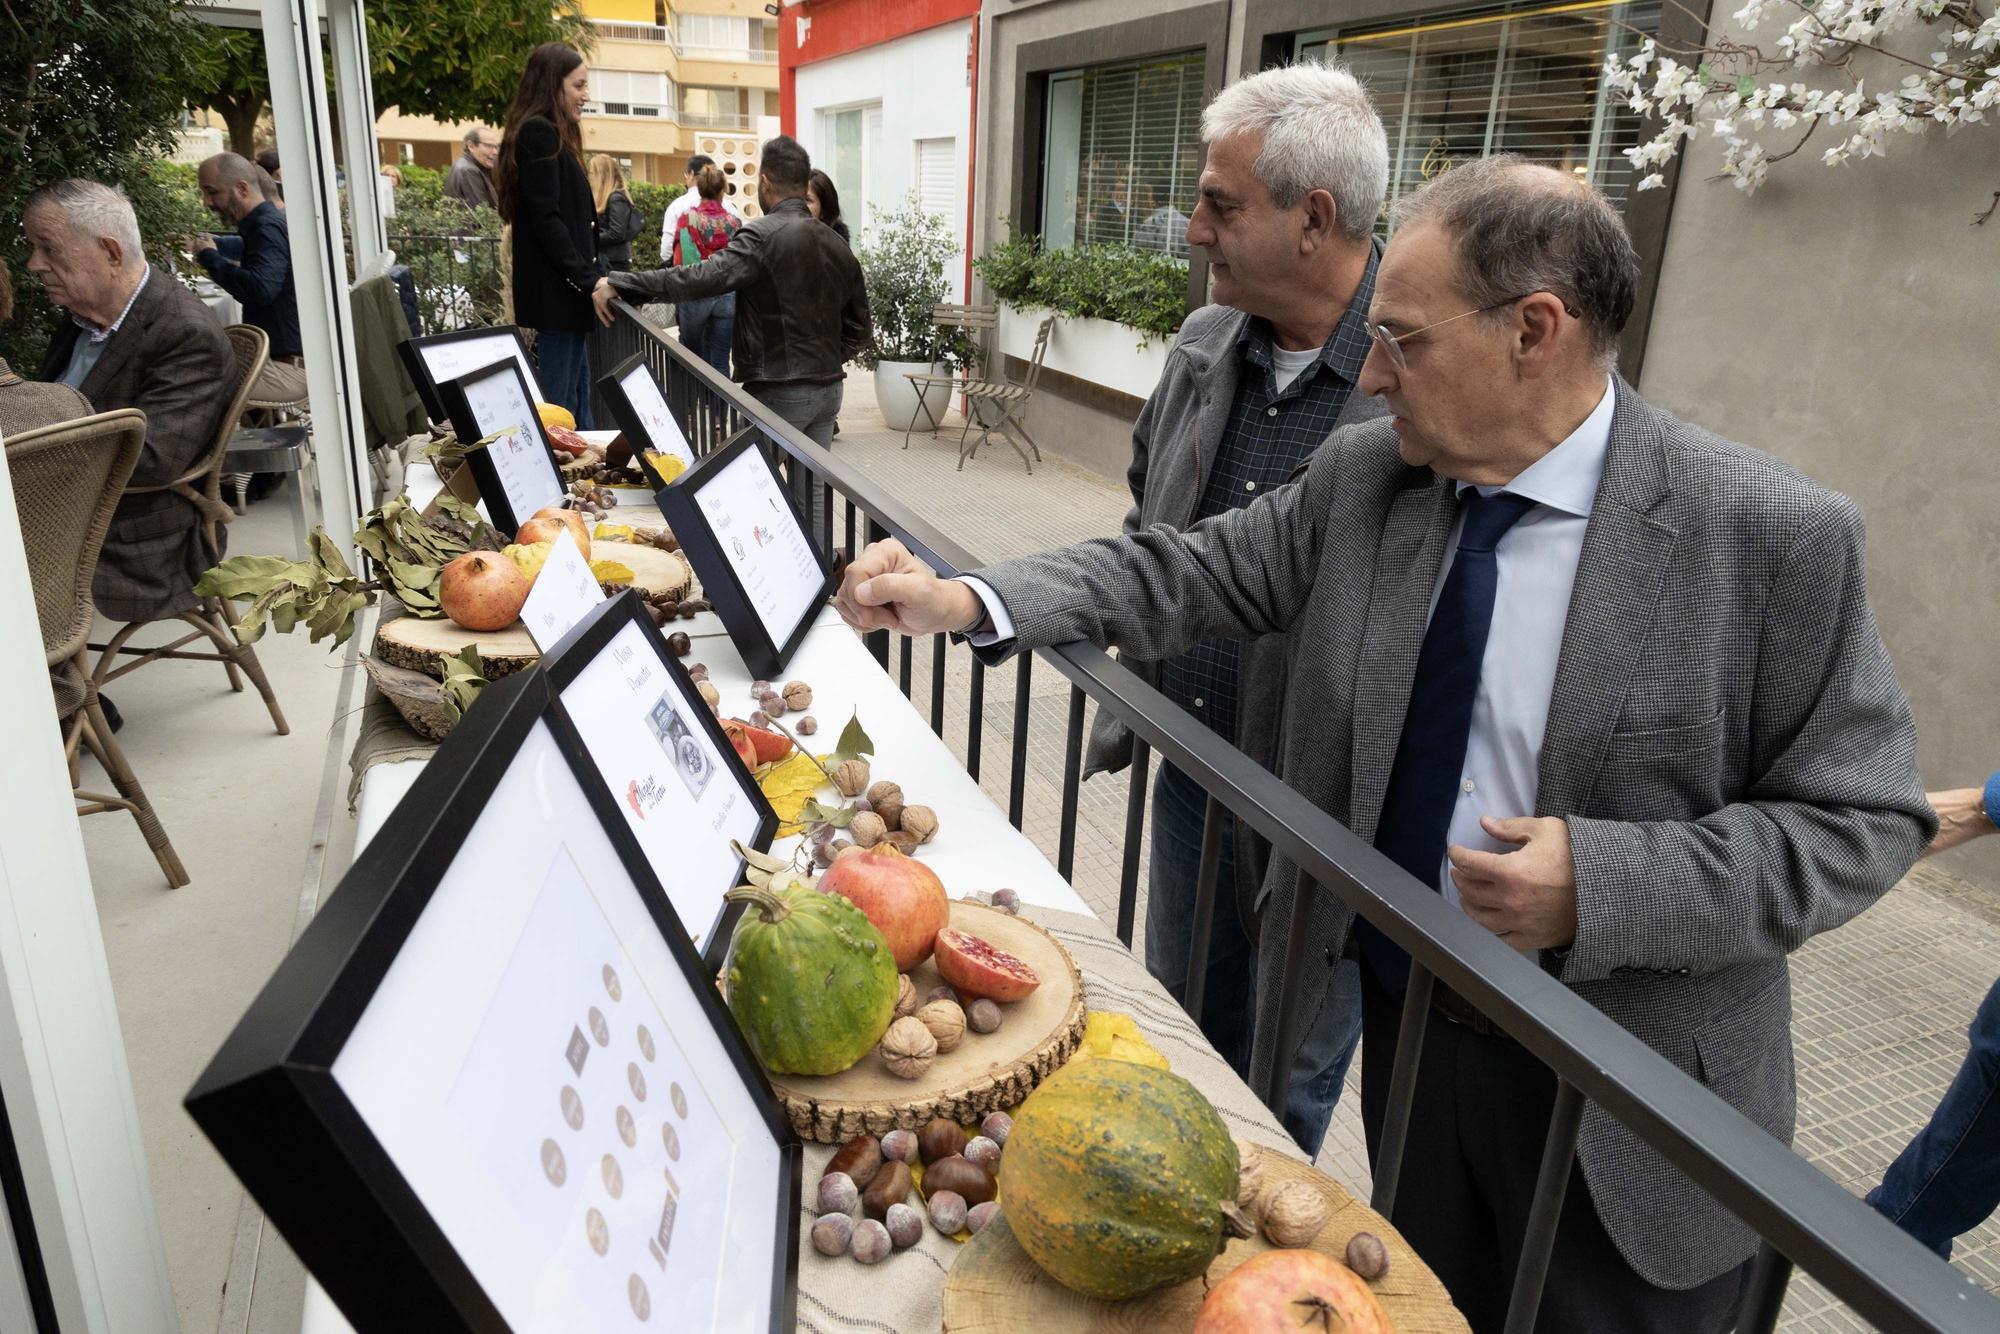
<point x="903" y="263"/>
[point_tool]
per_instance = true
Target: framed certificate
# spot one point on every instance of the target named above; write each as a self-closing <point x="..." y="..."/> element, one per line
<point x="517" y="473"/>
<point x="680" y="786"/>
<point x="494" y="1088"/>
<point x="755" y="559"/>
<point x="437" y="359"/>
<point x="641" y="409"/>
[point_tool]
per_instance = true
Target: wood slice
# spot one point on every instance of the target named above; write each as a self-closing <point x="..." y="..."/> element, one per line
<point x="986" y="1072"/>
<point x="994" y="1288"/>
<point x="653" y="570"/>
<point x="422" y="645"/>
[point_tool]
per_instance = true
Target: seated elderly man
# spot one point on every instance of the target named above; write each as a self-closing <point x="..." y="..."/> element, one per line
<point x="26" y="405"/>
<point x="134" y="339"/>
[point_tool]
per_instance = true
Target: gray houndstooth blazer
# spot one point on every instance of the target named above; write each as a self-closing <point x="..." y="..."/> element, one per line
<point x="1726" y="736"/>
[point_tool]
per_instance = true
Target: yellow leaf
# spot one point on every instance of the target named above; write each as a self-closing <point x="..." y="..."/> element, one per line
<point x="1111" y="1036"/>
<point x="788" y="785"/>
<point x="612" y="532"/>
<point x="610" y="572"/>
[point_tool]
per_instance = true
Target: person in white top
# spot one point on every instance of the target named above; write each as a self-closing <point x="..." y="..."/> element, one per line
<point x="678" y="209"/>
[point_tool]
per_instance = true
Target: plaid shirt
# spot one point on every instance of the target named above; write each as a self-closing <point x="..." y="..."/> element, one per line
<point x="1268" y="436"/>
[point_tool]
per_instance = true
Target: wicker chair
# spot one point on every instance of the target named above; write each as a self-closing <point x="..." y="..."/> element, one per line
<point x="67" y="481"/>
<point x="201" y="486"/>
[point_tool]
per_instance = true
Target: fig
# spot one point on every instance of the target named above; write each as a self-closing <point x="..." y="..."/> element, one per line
<point x="948" y="1212"/>
<point x="978" y="968"/>
<point x="900" y="1146"/>
<point x="905" y="1225"/>
<point x="940" y="1139"/>
<point x="871" y="1242"/>
<point x="832" y="1233"/>
<point x="1007" y="901"/>
<point x="982" y="1153"/>
<point x="838" y="1194"/>
<point x="857" y="1159"/>
<point x="1367" y="1256"/>
<point x="890" y="1186"/>
<point x="955" y="1173"/>
<point x="996" y="1127"/>
<point x="983" y="1016"/>
<point x="979" y="1215"/>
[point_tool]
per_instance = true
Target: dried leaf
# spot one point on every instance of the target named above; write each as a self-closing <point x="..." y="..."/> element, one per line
<point x="839" y="816"/>
<point x="249" y="576"/>
<point x="788" y="785"/>
<point x="854" y="742"/>
<point x="464" y="676"/>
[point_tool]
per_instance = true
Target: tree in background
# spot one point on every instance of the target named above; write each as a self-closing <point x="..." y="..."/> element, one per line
<point x="88" y="88"/>
<point x="449" y="59"/>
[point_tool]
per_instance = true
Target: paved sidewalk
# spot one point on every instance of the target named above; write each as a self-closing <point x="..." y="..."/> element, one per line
<point x="1880" y="1006"/>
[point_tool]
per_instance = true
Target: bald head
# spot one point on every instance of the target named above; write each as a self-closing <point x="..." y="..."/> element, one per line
<point x="229" y="186"/>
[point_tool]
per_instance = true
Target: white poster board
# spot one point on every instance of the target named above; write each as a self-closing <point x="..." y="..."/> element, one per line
<point x="762" y="542"/>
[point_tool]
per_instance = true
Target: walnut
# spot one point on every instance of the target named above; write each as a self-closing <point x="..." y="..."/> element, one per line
<point x="890" y="809"/>
<point x="798" y="695"/>
<point x="945" y="1021"/>
<point x="1293" y="1213"/>
<point x="907" y="1048"/>
<point x="867" y="829"/>
<point x="921" y="821"/>
<point x="1249" y="1173"/>
<point x="842" y="848"/>
<point x="850" y="776"/>
<point x="886" y="790"/>
<point x="906" y="996"/>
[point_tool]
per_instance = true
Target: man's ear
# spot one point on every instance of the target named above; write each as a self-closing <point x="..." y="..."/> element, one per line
<point x="1322" y="221"/>
<point x="114" y="250"/>
<point x="1540" y="333"/>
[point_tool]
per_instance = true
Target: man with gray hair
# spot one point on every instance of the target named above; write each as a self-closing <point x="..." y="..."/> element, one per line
<point x="1287" y="201"/>
<point x="1606" y="681"/>
<point x="470" y="180"/>
<point x="133" y="339"/>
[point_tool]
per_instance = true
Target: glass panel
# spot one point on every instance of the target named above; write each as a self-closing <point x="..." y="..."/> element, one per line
<point x="846" y="167"/>
<point x="1123" y="154"/>
<point x="1060" y="175"/>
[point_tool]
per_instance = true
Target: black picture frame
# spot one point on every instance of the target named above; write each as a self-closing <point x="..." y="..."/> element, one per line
<point x="270" y="1102"/>
<point x="631" y="417"/>
<point x="468" y="426"/>
<point x="420" y="352"/>
<point x="764" y="654"/>
<point x="582" y="646"/>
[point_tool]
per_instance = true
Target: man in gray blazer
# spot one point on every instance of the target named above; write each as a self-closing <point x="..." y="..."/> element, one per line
<point x="1608" y="681"/>
<point x="1292" y="184"/>
<point x="135" y="338"/>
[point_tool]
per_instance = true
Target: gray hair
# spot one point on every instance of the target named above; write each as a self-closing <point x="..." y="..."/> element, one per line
<point x="472" y="136"/>
<point x="1320" y="133"/>
<point x="93" y="209"/>
<point x="1520" y="227"/>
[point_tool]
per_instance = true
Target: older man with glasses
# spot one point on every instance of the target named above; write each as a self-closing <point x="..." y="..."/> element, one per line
<point x="1606" y="681"/>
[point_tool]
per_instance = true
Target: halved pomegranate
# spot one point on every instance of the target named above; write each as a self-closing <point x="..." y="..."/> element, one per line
<point x="978" y="968"/>
<point x="768" y="745"/>
<point x="739" y="737"/>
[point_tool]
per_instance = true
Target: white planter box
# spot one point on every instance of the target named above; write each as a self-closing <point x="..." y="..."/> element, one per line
<point x="1095" y="350"/>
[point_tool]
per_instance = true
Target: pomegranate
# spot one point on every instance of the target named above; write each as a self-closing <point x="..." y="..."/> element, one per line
<point x="483" y="590"/>
<point x="977" y="968"/>
<point x="739" y="737"/>
<point x="768" y="745"/>
<point x="566" y="441"/>
<point x="546" y="524"/>
<point x="1292" y="1291"/>
<point x="901" y="895"/>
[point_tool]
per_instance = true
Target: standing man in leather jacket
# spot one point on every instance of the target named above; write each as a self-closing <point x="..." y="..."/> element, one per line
<point x="801" y="307"/>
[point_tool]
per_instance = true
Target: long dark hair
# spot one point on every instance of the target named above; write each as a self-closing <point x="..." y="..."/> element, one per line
<point x="821" y="184"/>
<point x="540" y="94"/>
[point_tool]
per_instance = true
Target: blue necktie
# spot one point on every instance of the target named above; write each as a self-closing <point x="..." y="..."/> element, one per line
<point x="1430" y="757"/>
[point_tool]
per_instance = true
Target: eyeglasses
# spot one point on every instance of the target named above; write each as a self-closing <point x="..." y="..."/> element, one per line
<point x="1391" y="343"/>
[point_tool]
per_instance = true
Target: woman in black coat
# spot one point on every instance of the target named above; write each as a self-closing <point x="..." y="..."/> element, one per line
<point x="545" y="194"/>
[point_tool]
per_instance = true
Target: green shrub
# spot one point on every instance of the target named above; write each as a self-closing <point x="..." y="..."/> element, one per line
<point x="1142" y="289"/>
<point x="651" y="199"/>
<point x="903" y="264"/>
<point x="420" y="178"/>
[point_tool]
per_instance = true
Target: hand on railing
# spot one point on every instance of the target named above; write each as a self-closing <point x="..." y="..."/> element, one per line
<point x="887" y="588"/>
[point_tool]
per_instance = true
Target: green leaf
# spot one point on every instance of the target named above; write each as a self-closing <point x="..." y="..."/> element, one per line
<point x="1745" y="86"/>
<point x="854" y="743"/>
<point x="249" y="576"/>
<point x="839" y="816"/>
<point x="464" y="676"/>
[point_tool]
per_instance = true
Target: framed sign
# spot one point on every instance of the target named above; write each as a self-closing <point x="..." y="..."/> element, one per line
<point x="642" y="412"/>
<point x="518" y="473"/>
<point x="437" y="359"/>
<point x="493" y="1087"/>
<point x="683" y="791"/>
<point x="751" y="551"/>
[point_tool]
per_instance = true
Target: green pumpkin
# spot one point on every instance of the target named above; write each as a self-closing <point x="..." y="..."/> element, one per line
<point x="811" y="981"/>
<point x="1120" y="1179"/>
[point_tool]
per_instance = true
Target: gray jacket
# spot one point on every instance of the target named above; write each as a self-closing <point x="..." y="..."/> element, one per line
<point x="1174" y="444"/>
<point x="1726" y="737"/>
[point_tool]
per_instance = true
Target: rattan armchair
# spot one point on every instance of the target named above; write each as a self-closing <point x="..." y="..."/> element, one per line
<point x="67" y="481"/>
<point x="201" y="486"/>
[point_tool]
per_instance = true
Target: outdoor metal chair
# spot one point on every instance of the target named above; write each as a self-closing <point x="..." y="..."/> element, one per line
<point x="1000" y="407"/>
<point x="67" y="482"/>
<point x="201" y="486"/>
<point x="983" y="318"/>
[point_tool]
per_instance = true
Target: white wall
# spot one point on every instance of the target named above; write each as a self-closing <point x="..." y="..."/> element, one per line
<point x="920" y="82"/>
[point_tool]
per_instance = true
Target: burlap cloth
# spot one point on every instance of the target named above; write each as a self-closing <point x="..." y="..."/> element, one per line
<point x="383" y="738"/>
<point x="904" y="1293"/>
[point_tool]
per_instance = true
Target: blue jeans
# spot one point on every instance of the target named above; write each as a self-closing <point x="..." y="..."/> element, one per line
<point x="707" y="326"/>
<point x="1229" y="1009"/>
<point x="1947" y="1181"/>
<point x="562" y="364"/>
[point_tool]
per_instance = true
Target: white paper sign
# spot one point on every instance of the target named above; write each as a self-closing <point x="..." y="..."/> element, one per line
<point x="662" y="431"/>
<point x="762" y="541"/>
<point x="528" y="476"/>
<point x="668" y="776"/>
<point x="563" y="594"/>
<point x="462" y="356"/>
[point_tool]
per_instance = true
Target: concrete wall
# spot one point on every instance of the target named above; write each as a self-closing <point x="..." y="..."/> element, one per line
<point x="1844" y="320"/>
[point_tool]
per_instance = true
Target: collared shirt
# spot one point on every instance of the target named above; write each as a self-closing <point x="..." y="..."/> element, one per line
<point x="1272" y="429"/>
<point x="262" y="279"/>
<point x="90" y="344"/>
<point x="1536" y="563"/>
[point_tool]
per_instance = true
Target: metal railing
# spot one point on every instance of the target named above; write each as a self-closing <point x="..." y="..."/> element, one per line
<point x="458" y="278"/>
<point x="1803" y="1217"/>
<point x="714" y="120"/>
<point x="613" y="30"/>
<point x="739" y="55"/>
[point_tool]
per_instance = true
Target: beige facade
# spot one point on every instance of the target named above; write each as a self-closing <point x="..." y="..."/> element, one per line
<point x="1840" y="319"/>
<point x="665" y="78"/>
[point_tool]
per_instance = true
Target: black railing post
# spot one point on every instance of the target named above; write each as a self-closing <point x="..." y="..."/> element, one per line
<point x="1072" y="781"/>
<point x="903" y="654"/>
<point x="1201" y="942"/>
<point x="1297" y="948"/>
<point x="1135" y="824"/>
<point x="1764" y="1294"/>
<point x="1017" y="781"/>
<point x="977" y="722"/>
<point x="937" y="684"/>
<point x="1545" y="1210"/>
<point x="1402" y="1089"/>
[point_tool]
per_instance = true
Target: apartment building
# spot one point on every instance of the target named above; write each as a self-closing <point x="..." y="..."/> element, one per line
<point x="667" y="80"/>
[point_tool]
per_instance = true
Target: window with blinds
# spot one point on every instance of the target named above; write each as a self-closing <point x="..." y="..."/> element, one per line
<point x="618" y="92"/>
<point x="937" y="177"/>
<point x="1124" y="152"/>
<point x="1514" y="78"/>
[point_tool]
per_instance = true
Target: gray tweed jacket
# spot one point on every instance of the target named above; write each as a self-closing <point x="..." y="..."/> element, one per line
<point x="1726" y="736"/>
<point x="172" y="361"/>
